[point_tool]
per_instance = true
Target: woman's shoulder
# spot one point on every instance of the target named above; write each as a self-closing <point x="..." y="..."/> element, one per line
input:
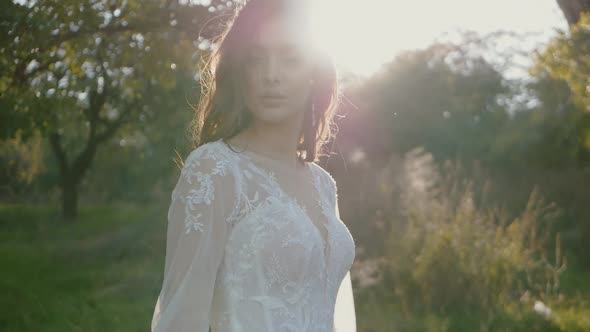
<point x="211" y="152"/>
<point x="324" y="176"/>
<point x="209" y="158"/>
<point x="209" y="177"/>
<point x="208" y="150"/>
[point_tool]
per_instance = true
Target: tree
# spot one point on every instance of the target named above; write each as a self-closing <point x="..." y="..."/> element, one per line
<point x="572" y="9"/>
<point x="433" y="98"/>
<point x="79" y="71"/>
<point x="566" y="59"/>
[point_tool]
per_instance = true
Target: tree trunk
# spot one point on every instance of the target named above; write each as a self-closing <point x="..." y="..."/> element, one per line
<point x="72" y="171"/>
<point x="71" y="174"/>
<point x="69" y="199"/>
<point x="573" y="8"/>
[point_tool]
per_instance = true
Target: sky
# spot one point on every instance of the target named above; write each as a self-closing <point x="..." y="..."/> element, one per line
<point x="363" y="35"/>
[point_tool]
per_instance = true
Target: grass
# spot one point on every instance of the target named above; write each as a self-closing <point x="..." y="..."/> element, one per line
<point x="104" y="272"/>
<point x="377" y="311"/>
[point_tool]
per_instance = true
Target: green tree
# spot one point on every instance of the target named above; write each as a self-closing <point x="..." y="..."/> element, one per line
<point x="565" y="62"/>
<point x="79" y="71"/>
<point x="437" y="98"/>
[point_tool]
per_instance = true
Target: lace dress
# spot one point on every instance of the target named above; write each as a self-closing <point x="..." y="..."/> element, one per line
<point x="251" y="249"/>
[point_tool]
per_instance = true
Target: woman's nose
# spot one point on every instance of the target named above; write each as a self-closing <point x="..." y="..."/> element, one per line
<point x="271" y="73"/>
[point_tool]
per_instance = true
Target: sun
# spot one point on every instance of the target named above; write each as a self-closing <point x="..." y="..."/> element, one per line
<point x="352" y="32"/>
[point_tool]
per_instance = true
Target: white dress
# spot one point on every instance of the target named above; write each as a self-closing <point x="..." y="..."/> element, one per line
<point x="248" y="250"/>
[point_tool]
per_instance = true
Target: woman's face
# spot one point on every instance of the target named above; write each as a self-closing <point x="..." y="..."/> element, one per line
<point x="278" y="71"/>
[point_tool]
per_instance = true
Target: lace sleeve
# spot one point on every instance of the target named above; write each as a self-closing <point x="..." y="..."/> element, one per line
<point x="344" y="310"/>
<point x="198" y="227"/>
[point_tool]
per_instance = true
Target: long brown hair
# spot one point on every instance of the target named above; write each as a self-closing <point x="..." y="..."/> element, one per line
<point x="221" y="114"/>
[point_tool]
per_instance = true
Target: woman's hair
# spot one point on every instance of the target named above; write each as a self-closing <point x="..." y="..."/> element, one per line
<point x="221" y="111"/>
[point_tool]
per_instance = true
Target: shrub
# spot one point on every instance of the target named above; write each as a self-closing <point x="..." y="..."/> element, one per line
<point x="456" y="258"/>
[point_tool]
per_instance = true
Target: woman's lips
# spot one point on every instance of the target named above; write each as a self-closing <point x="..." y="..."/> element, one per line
<point x="273" y="96"/>
<point x="272" y="100"/>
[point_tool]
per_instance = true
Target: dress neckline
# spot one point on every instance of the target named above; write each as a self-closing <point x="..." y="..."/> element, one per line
<point x="311" y="175"/>
<point x="257" y="155"/>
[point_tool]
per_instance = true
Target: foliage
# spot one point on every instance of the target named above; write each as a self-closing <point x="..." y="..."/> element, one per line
<point x="454" y="258"/>
<point x="21" y="163"/>
<point x="447" y="99"/>
<point x="81" y="71"/>
<point x="567" y="58"/>
<point x="440" y="97"/>
<point x="57" y="55"/>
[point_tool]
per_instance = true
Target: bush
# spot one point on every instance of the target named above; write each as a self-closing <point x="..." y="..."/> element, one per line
<point x="467" y="263"/>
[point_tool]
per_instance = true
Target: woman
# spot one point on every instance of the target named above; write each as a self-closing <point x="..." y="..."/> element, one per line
<point x="255" y="241"/>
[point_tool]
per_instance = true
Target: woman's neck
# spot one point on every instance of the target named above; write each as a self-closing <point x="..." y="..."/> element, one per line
<point x="274" y="141"/>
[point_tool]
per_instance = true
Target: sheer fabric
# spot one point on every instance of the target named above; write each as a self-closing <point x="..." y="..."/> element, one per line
<point x="251" y="248"/>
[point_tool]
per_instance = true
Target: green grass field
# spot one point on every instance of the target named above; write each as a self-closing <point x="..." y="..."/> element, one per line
<point x="101" y="274"/>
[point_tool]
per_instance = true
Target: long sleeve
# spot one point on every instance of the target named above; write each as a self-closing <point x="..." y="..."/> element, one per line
<point x="197" y="231"/>
<point x="344" y="311"/>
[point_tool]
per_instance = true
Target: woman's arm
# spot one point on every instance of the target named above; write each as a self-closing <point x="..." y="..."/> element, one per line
<point x="197" y="232"/>
<point x="344" y="311"/>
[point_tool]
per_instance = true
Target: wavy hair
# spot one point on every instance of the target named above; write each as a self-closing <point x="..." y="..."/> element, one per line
<point x="221" y="112"/>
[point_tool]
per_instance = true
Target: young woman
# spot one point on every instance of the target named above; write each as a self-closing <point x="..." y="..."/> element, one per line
<point x="254" y="240"/>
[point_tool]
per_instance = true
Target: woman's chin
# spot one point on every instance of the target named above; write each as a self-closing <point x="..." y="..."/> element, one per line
<point x="274" y="114"/>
